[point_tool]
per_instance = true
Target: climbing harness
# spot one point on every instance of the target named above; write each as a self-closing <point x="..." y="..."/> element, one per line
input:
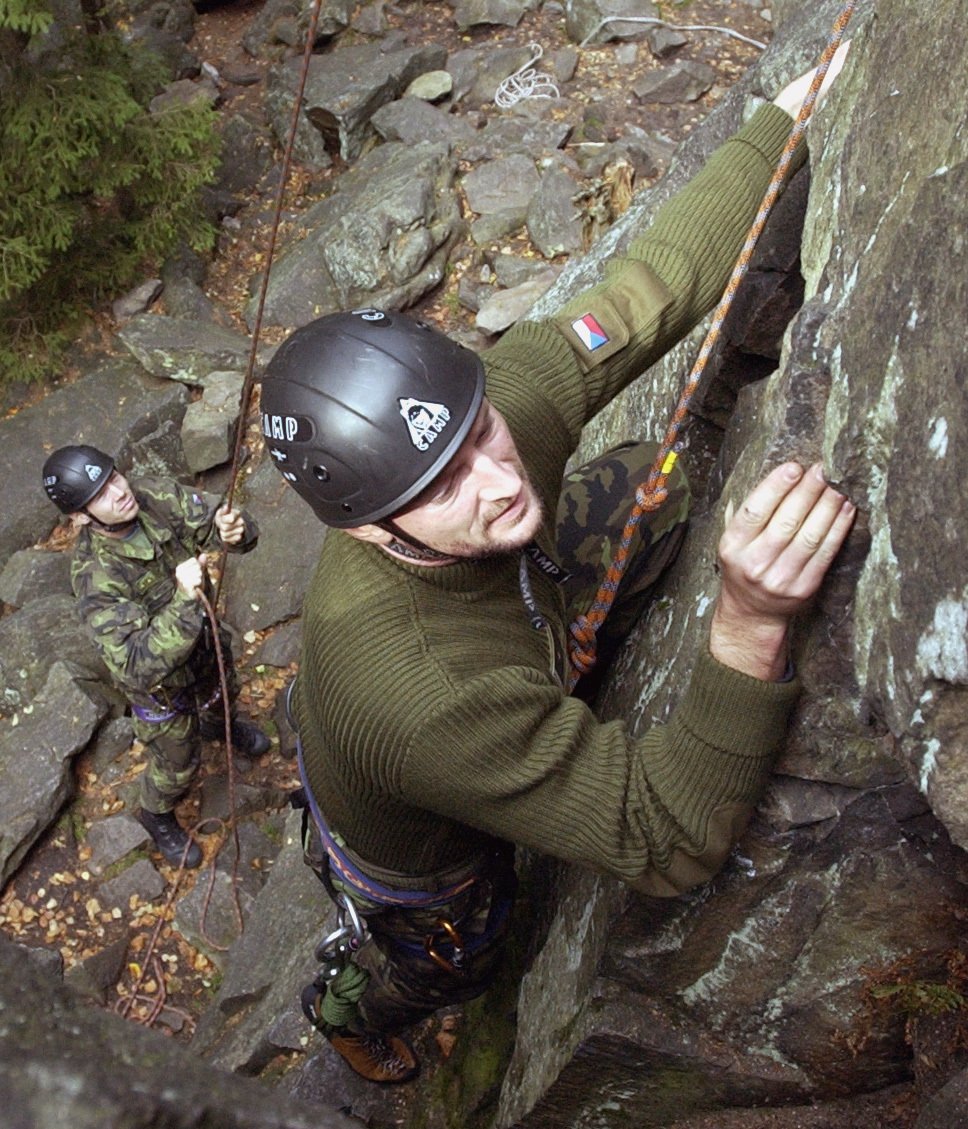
<point x="443" y="945"/>
<point x="526" y="82"/>
<point x="181" y="703"/>
<point x="163" y="711"/>
<point x="362" y="884"/>
<point x="345" y="869"/>
<point x="650" y="495"/>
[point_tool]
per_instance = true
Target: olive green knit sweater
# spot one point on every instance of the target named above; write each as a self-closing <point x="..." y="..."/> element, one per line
<point x="429" y="710"/>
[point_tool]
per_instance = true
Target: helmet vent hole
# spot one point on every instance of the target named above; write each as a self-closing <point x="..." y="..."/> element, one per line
<point x="321" y="474"/>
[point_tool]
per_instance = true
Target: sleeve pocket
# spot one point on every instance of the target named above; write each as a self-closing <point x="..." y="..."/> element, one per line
<point x="602" y="321"/>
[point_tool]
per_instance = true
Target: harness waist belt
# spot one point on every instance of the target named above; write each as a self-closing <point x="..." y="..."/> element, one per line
<point x="365" y="884"/>
<point x="181" y="703"/>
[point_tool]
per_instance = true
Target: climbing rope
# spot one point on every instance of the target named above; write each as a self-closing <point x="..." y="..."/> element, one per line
<point x="245" y="395"/>
<point x="651" y="494"/>
<point x="149" y="960"/>
<point x="526" y="82"/>
<point x="232" y="822"/>
<point x="728" y="31"/>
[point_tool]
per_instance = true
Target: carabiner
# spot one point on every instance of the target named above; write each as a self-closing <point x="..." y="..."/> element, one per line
<point x="350" y="937"/>
<point x="455" y="966"/>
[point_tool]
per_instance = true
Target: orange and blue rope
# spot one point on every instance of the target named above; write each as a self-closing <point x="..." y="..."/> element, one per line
<point x="652" y="493"/>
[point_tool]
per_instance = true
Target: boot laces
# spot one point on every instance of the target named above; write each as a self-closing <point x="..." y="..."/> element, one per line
<point x="381" y="1051"/>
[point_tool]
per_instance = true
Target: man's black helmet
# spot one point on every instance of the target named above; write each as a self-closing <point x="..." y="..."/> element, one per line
<point x="74" y="476"/>
<point x="362" y="410"/>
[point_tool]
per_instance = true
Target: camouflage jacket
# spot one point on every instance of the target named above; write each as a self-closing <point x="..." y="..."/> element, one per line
<point x="145" y="628"/>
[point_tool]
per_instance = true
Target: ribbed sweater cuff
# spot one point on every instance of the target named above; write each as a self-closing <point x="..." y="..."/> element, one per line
<point x="767" y="130"/>
<point x="756" y="711"/>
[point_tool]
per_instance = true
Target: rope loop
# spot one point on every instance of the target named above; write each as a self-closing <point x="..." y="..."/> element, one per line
<point x="526" y="82"/>
<point x="583" y="653"/>
<point x="649" y="499"/>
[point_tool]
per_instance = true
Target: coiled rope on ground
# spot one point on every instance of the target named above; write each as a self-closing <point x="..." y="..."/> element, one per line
<point x="526" y="82"/>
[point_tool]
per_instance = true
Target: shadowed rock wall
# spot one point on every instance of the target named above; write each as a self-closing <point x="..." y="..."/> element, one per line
<point x="62" y="1063"/>
<point x="756" y="989"/>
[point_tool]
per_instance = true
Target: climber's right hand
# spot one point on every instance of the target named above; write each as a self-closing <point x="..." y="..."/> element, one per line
<point x="190" y="575"/>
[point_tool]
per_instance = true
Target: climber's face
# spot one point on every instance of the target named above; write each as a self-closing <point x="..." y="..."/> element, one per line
<point x="482" y="503"/>
<point x="114" y="504"/>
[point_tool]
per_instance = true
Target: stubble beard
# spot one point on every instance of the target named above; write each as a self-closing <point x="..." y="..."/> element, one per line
<point x="513" y="541"/>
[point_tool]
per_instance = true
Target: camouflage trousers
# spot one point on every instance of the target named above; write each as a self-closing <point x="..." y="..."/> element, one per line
<point x="173" y="746"/>
<point x="594" y="505"/>
<point x="417" y="960"/>
<point x="401" y="984"/>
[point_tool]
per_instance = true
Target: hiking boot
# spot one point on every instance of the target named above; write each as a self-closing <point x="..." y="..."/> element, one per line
<point x="387" y="1059"/>
<point x="247" y="740"/>
<point x="171" y="838"/>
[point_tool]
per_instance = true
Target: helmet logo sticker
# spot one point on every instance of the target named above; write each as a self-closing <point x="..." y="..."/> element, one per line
<point x="287" y="428"/>
<point x="369" y="313"/>
<point x="425" y="421"/>
<point x="93" y="471"/>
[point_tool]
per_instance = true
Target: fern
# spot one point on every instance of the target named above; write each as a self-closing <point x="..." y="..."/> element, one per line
<point x="27" y="16"/>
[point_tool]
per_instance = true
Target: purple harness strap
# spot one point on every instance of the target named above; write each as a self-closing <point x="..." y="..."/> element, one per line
<point x="156" y="716"/>
<point x="178" y="706"/>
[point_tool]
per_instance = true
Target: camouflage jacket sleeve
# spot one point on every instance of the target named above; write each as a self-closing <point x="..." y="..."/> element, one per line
<point x="190" y="514"/>
<point x="143" y="625"/>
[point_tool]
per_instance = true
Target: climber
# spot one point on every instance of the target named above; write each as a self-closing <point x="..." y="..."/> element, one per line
<point x="138" y="570"/>
<point x="433" y="725"/>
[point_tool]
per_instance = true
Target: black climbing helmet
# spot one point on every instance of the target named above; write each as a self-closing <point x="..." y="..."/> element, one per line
<point x="362" y="410"/>
<point x="74" y="476"/>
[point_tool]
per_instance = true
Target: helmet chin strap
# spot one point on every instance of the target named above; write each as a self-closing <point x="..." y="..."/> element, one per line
<point x="414" y="550"/>
<point x="410" y="547"/>
<point x="110" y="527"/>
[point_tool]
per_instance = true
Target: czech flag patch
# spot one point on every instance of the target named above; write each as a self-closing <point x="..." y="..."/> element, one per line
<point x="590" y="333"/>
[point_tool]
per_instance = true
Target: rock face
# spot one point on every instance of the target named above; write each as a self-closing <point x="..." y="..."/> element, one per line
<point x="391" y="259"/>
<point x="44" y="746"/>
<point x="344" y="90"/>
<point x="62" y="1064"/>
<point x="743" y="988"/>
<point x="792" y="979"/>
